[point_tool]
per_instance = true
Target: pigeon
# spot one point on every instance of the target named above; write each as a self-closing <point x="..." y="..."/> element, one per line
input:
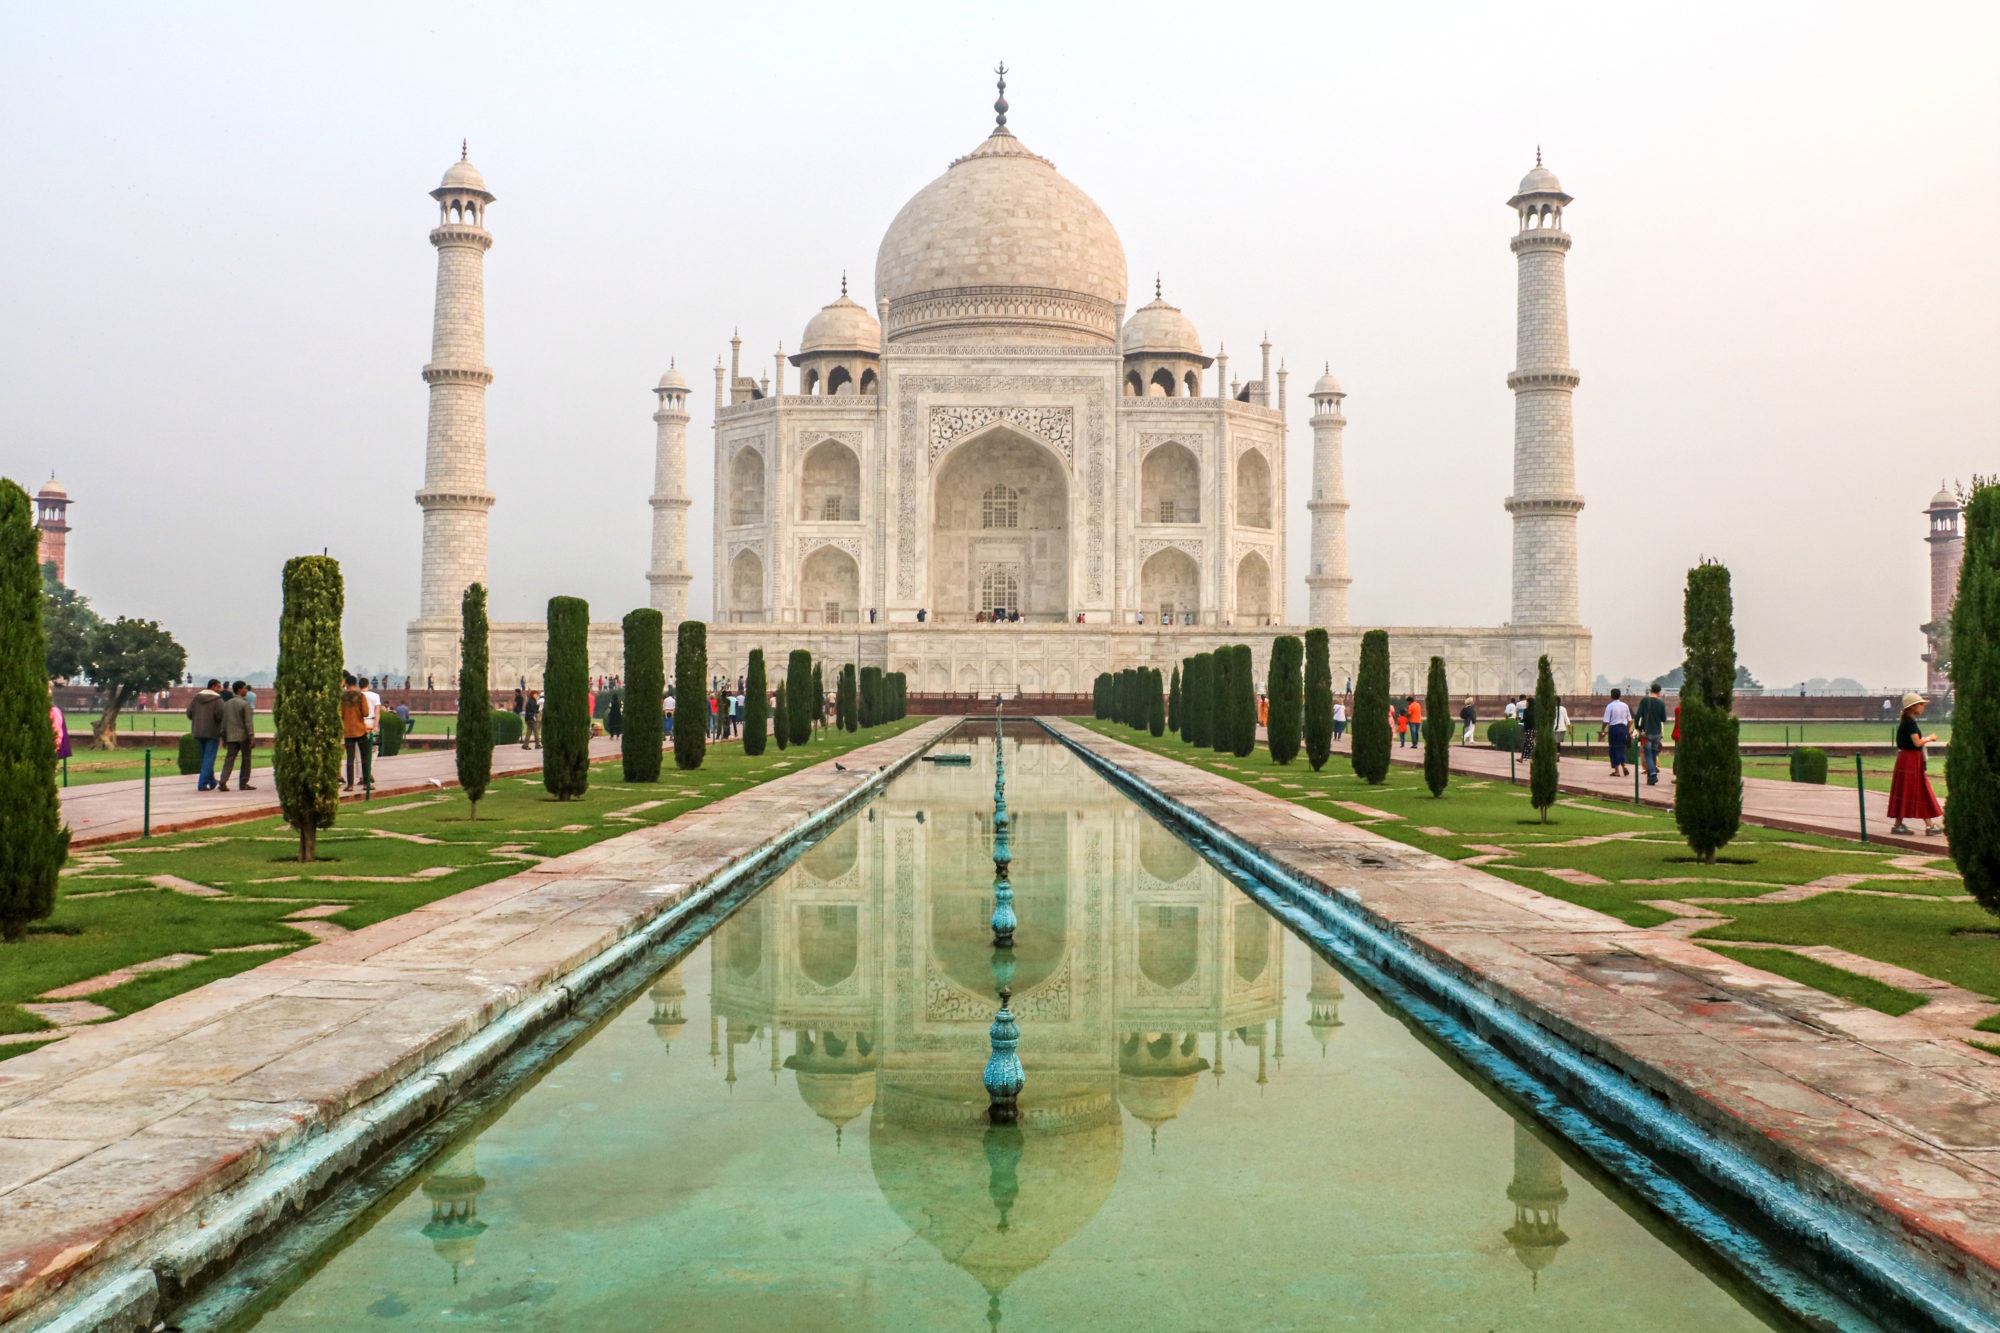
<point x="435" y="782"/>
<point x="839" y="767"/>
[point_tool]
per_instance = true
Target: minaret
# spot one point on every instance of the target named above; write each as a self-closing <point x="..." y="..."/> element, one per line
<point x="1544" y="503"/>
<point x="669" y="575"/>
<point x="1326" y="586"/>
<point x="1264" y="385"/>
<point x="454" y="497"/>
<point x="52" y="523"/>
<point x="1947" y="542"/>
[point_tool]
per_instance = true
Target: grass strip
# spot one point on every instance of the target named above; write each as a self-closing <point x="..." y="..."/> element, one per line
<point x="1850" y="986"/>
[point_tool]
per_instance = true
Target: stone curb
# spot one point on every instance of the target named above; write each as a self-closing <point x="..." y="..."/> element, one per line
<point x="160" y="1254"/>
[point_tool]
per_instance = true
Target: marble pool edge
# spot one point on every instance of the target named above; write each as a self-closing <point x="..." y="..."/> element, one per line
<point x="1490" y="940"/>
<point x="118" y="1282"/>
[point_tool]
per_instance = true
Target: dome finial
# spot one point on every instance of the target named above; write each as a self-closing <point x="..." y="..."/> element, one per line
<point x="1156" y="286"/>
<point x="843" y="283"/>
<point x="1538" y="155"/>
<point x="462" y="146"/>
<point x="1000" y="103"/>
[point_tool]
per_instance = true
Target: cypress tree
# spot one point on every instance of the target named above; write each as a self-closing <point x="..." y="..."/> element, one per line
<point x="473" y="745"/>
<point x="690" y="694"/>
<point x="1437" y="729"/>
<point x="1542" y="776"/>
<point x="33" y="839"/>
<point x="756" y="708"/>
<point x="1370" y="724"/>
<point x="1708" y="767"/>
<point x="1243" y="684"/>
<point x="1286" y="688"/>
<point x="1156" y="721"/>
<point x="1129" y="701"/>
<point x="871" y="696"/>
<point x="641" y="747"/>
<point x="815" y="708"/>
<point x="1221" y="725"/>
<point x="781" y="723"/>
<point x="1195" y="699"/>
<point x="305" y="713"/>
<point x="802" y="683"/>
<point x="843" y="699"/>
<point x="566" y="700"/>
<point x="1972" y="765"/>
<point x="1174" y="701"/>
<point x="1318" y="729"/>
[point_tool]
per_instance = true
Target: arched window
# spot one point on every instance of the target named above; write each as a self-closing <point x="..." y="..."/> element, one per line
<point x="1163" y="380"/>
<point x="868" y="381"/>
<point x="839" y="381"/>
<point x="809" y="382"/>
<point x="999" y="590"/>
<point x="1134" y="386"/>
<point x="1193" y="385"/>
<point x="1000" y="507"/>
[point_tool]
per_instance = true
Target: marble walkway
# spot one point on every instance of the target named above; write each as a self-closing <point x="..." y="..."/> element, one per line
<point x="124" y="1140"/>
<point x="113" y="811"/>
<point x="1884" y="1115"/>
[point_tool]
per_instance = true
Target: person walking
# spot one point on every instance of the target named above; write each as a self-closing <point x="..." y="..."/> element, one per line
<point x="531" y="721"/>
<point x="520" y="701"/>
<point x="239" y="733"/>
<point x="1413" y="713"/>
<point x="1650" y="722"/>
<point x="1562" y="725"/>
<point x="204" y="713"/>
<point x="1618" y="733"/>
<point x="59" y="724"/>
<point x="1398" y="720"/>
<point x="1339" y="719"/>
<point x="374" y="730"/>
<point x="1527" y="720"/>
<point x="353" y="723"/>
<point x="1469" y="716"/>
<point x="669" y="724"/>
<point x="1513" y="710"/>
<point x="1910" y="792"/>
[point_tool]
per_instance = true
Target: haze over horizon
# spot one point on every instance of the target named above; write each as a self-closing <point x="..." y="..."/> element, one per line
<point x="1784" y="296"/>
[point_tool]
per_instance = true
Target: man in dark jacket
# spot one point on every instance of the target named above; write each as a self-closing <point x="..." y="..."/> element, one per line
<point x="205" y="725"/>
<point x="239" y="734"/>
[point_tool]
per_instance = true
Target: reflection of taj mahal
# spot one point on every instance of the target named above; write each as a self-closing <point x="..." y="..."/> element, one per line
<point x="996" y="433"/>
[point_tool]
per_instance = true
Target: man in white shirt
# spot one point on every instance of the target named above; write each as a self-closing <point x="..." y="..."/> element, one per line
<point x="1339" y="719"/>
<point x="1618" y="732"/>
<point x="374" y="717"/>
<point x="1513" y="710"/>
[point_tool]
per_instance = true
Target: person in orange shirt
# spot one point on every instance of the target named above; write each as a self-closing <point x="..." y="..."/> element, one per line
<point x="1263" y="710"/>
<point x="1413" y="713"/>
<point x="353" y="722"/>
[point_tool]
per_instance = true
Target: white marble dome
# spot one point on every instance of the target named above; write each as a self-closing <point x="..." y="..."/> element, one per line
<point x="1540" y="180"/>
<point x="462" y="175"/>
<point x="1162" y="330"/>
<point x="843" y="326"/>
<point x="1327" y="384"/>
<point x="1001" y="243"/>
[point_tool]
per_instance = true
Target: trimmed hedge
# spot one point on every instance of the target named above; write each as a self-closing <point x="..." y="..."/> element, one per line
<point x="1972" y="764"/>
<point x="1196" y="697"/>
<point x="1808" y="764"/>
<point x="1318" y="729"/>
<point x="507" y="726"/>
<point x="566" y="700"/>
<point x="803" y="694"/>
<point x="1286" y="689"/>
<point x="781" y="721"/>
<point x="1504" y="734"/>
<point x="1708" y="766"/>
<point x="305" y="710"/>
<point x="756" y="706"/>
<point x="691" y="695"/>
<point x="187" y="755"/>
<point x="643" y="742"/>
<point x="1243" y="684"/>
<point x="1543" y="780"/>
<point x="391" y="738"/>
<point x="33" y="837"/>
<point x="1370" y="726"/>
<point x="1437" y="730"/>
<point x="1174" y="702"/>
<point x="472" y="748"/>
<point x="1156" y="721"/>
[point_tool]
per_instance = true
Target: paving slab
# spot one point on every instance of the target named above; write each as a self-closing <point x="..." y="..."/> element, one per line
<point x="1870" y="1110"/>
<point x="124" y="1135"/>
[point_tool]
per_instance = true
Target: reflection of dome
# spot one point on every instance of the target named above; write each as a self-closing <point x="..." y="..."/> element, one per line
<point x="667" y="994"/>
<point x="842" y="327"/>
<point x="835" y="1076"/>
<point x="1002" y="243"/>
<point x="454" y="1189"/>
<point x="931" y="1161"/>
<point x="1158" y="1075"/>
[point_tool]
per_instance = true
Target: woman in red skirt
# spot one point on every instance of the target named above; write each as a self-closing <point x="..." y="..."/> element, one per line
<point x="1910" y="794"/>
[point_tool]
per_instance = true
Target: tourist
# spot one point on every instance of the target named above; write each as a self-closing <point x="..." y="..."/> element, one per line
<point x="1513" y="710"/>
<point x="518" y="700"/>
<point x="1415" y="712"/>
<point x="430" y="682"/>
<point x="1618" y="733"/>
<point x="1527" y="719"/>
<point x="1910" y="789"/>
<point x="871" y="615"/>
<point x="374" y="738"/>
<point x="204" y="713"/>
<point x="1398" y="721"/>
<point x="353" y="723"/>
<point x="1469" y="716"/>
<point x="1339" y="719"/>
<point x="1142" y="617"/>
<point x="921" y="613"/>
<point x="669" y="725"/>
<point x="531" y="721"/>
<point x="59" y="724"/>
<point x="1562" y="725"/>
<point x="239" y="733"/>
<point x="1650" y="722"/>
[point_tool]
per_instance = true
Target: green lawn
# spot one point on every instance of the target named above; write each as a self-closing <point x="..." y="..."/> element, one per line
<point x="378" y="861"/>
<point x="1640" y="856"/>
<point x="1876" y="771"/>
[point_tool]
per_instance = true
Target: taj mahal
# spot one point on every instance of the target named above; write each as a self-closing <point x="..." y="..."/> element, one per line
<point x="999" y="438"/>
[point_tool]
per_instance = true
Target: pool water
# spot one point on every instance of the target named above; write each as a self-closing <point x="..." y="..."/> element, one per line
<point x="1219" y="1130"/>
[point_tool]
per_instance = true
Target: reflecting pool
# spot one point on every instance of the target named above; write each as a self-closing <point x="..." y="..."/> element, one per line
<point x="1219" y="1130"/>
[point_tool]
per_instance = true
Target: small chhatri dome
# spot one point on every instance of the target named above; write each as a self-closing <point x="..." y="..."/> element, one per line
<point x="1159" y="328"/>
<point x="843" y="326"/>
<point x="465" y="177"/>
<point x="1540" y="180"/>
<point x="1944" y="499"/>
<point x="672" y="379"/>
<point x="1327" y="384"/>
<point x="54" y="490"/>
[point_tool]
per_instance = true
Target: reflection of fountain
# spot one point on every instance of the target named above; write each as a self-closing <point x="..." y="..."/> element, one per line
<point x="667" y="995"/>
<point x="454" y="1190"/>
<point x="1537" y="1191"/>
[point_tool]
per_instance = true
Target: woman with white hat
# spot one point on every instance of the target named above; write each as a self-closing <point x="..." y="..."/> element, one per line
<point x="1910" y="791"/>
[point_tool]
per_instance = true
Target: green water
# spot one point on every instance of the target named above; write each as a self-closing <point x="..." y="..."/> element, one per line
<point x="1221" y="1131"/>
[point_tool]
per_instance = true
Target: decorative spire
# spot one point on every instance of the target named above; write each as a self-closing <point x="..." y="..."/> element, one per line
<point x="462" y="149"/>
<point x="843" y="284"/>
<point x="1000" y="103"/>
<point x="1538" y="155"/>
<point x="1156" y="286"/>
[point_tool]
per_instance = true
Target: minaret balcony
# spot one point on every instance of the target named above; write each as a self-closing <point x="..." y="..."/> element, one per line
<point x="1540" y="240"/>
<point x="1543" y="379"/>
<point x="1544" y="504"/>
<point x="437" y="374"/>
<point x="457" y="233"/>
<point x="455" y="499"/>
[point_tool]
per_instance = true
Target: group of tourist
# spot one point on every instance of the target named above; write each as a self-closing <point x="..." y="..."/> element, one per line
<point x="360" y="721"/>
<point x="223" y="715"/>
<point x="1648" y="725"/>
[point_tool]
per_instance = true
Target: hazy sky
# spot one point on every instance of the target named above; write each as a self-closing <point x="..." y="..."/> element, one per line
<point x="215" y="288"/>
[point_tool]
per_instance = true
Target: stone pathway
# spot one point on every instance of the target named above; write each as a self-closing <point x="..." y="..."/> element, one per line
<point x="113" y="811"/>
<point x="1886" y="1115"/>
<point x="126" y="1136"/>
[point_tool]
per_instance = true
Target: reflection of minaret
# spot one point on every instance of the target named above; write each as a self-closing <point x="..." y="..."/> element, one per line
<point x="738" y="1034"/>
<point x="1537" y="1191"/>
<point x="1324" y="995"/>
<point x="667" y="995"/>
<point x="714" y="1046"/>
<point x="454" y="1190"/>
